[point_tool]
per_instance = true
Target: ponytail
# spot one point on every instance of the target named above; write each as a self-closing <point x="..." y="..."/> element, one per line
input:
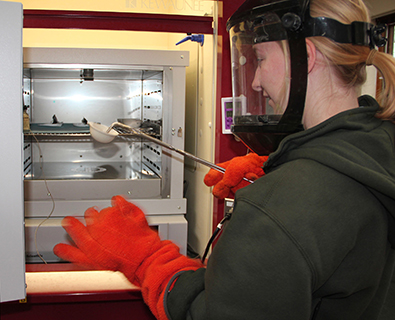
<point x="385" y="65"/>
<point x="349" y="60"/>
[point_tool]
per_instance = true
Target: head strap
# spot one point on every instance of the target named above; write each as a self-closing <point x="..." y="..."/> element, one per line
<point x="376" y="36"/>
<point x="357" y="33"/>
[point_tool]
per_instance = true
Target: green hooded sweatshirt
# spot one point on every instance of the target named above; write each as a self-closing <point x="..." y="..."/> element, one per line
<point x="313" y="238"/>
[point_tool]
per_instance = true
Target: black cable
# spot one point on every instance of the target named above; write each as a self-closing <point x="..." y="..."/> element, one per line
<point x="216" y="233"/>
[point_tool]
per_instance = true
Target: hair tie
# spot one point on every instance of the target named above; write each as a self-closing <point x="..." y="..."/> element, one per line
<point x="369" y="60"/>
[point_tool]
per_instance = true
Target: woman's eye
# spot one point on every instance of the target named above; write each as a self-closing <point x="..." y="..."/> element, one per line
<point x="259" y="60"/>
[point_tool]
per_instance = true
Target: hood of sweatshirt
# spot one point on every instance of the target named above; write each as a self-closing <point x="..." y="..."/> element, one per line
<point x="355" y="143"/>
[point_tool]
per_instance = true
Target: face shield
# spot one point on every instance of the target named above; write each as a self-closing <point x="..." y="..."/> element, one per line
<point x="260" y="79"/>
<point x="269" y="66"/>
<point x="260" y="71"/>
<point x="269" y="75"/>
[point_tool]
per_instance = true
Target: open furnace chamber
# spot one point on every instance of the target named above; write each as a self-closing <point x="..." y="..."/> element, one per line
<point x="65" y="88"/>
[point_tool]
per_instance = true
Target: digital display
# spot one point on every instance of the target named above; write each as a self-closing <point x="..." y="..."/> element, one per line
<point x="227" y="115"/>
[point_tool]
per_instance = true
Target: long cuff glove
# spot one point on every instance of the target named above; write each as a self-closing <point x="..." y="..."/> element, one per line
<point x="118" y="238"/>
<point x="249" y="166"/>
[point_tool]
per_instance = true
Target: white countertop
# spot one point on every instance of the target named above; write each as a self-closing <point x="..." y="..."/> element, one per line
<point x="76" y="281"/>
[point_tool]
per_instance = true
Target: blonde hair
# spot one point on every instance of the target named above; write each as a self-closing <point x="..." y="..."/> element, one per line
<point x="350" y="60"/>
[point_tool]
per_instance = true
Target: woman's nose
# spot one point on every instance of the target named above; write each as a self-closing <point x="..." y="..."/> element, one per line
<point x="256" y="85"/>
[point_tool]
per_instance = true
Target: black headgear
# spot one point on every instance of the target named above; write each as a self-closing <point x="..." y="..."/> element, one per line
<point x="259" y="21"/>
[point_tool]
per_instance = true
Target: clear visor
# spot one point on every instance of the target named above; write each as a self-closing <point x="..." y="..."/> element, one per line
<point x="260" y="70"/>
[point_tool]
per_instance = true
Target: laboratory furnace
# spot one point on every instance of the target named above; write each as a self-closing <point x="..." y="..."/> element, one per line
<point x="66" y="170"/>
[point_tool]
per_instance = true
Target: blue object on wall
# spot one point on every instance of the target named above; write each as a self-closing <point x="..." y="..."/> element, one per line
<point x="193" y="37"/>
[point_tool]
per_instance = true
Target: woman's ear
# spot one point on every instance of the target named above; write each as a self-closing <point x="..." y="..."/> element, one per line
<point x="311" y="54"/>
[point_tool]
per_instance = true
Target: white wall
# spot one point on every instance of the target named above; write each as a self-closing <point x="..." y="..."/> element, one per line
<point x="380" y="8"/>
<point x="369" y="87"/>
<point x="199" y="140"/>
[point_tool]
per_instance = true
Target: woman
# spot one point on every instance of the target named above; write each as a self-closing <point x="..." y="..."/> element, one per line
<point x="311" y="239"/>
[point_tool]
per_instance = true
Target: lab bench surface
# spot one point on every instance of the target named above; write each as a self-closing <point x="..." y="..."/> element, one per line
<point x="63" y="291"/>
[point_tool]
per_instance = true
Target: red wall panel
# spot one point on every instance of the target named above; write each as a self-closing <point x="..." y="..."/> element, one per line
<point x="226" y="147"/>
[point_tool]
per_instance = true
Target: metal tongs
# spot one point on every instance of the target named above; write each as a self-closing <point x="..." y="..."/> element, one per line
<point x="123" y="128"/>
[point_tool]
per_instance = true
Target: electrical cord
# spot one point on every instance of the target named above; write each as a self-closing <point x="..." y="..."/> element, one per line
<point x="49" y="193"/>
<point x="216" y="233"/>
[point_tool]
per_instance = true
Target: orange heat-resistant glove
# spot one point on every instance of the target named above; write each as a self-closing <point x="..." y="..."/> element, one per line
<point x="118" y="238"/>
<point x="249" y="166"/>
